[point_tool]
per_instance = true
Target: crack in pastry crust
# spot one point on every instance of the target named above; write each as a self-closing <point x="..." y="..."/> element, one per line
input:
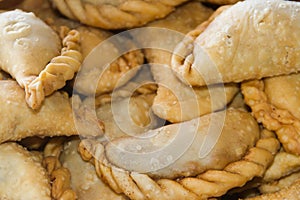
<point x="127" y="14"/>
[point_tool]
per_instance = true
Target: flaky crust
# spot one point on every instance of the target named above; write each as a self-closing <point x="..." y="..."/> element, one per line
<point x="278" y="119"/>
<point x="60" y="69"/>
<point x="115" y="14"/>
<point x="27" y="43"/>
<point x="21" y="176"/>
<point x="211" y="183"/>
<point x="255" y="43"/>
<point x="19" y="121"/>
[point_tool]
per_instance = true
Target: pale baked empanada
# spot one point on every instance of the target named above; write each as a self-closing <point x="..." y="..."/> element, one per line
<point x="115" y="14"/>
<point x="21" y="176"/>
<point x="250" y="40"/>
<point x="229" y="167"/>
<point x="275" y="103"/>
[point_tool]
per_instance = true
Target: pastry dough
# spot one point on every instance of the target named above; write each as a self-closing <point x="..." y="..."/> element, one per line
<point x="19" y="121"/>
<point x="212" y="183"/>
<point x="84" y="180"/>
<point x="116" y="74"/>
<point x="117" y="14"/>
<point x="27" y="44"/>
<point x="250" y="40"/>
<point x="21" y="176"/>
<point x="275" y="103"/>
<point x="57" y="72"/>
<point x="175" y="101"/>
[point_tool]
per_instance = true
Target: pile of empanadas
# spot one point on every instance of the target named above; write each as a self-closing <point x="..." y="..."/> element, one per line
<point x="149" y="100"/>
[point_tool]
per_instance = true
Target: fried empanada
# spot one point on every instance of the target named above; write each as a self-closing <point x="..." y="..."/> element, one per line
<point x="27" y="44"/>
<point x="249" y="40"/>
<point x="115" y="14"/>
<point x="244" y="162"/>
<point x="84" y="180"/>
<point x="275" y="103"/>
<point x="110" y="75"/>
<point x="176" y="101"/>
<point x="19" y="121"/>
<point x="21" y="176"/>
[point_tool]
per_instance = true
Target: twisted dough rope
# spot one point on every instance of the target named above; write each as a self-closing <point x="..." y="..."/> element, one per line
<point x="285" y="125"/>
<point x="57" y="72"/>
<point x="212" y="183"/>
<point x="60" y="176"/>
<point x="127" y="14"/>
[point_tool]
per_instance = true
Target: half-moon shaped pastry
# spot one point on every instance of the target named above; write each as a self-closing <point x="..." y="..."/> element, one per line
<point x="27" y="45"/>
<point x="249" y="40"/>
<point x="241" y="157"/>
<point x="115" y="14"/>
<point x="22" y="177"/>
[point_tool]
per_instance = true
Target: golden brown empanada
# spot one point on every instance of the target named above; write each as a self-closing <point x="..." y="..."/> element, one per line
<point x="176" y="101"/>
<point x="122" y="172"/>
<point x="115" y="14"/>
<point x="21" y="176"/>
<point x="249" y="40"/>
<point x="275" y="103"/>
<point x="84" y="180"/>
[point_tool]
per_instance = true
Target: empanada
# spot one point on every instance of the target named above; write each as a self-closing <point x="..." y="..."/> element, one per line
<point x="97" y="77"/>
<point x="275" y="103"/>
<point x="249" y="40"/>
<point x="230" y="167"/>
<point x="84" y="180"/>
<point x="27" y="45"/>
<point x="115" y="14"/>
<point x="176" y="101"/>
<point x="18" y="121"/>
<point x="21" y="176"/>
